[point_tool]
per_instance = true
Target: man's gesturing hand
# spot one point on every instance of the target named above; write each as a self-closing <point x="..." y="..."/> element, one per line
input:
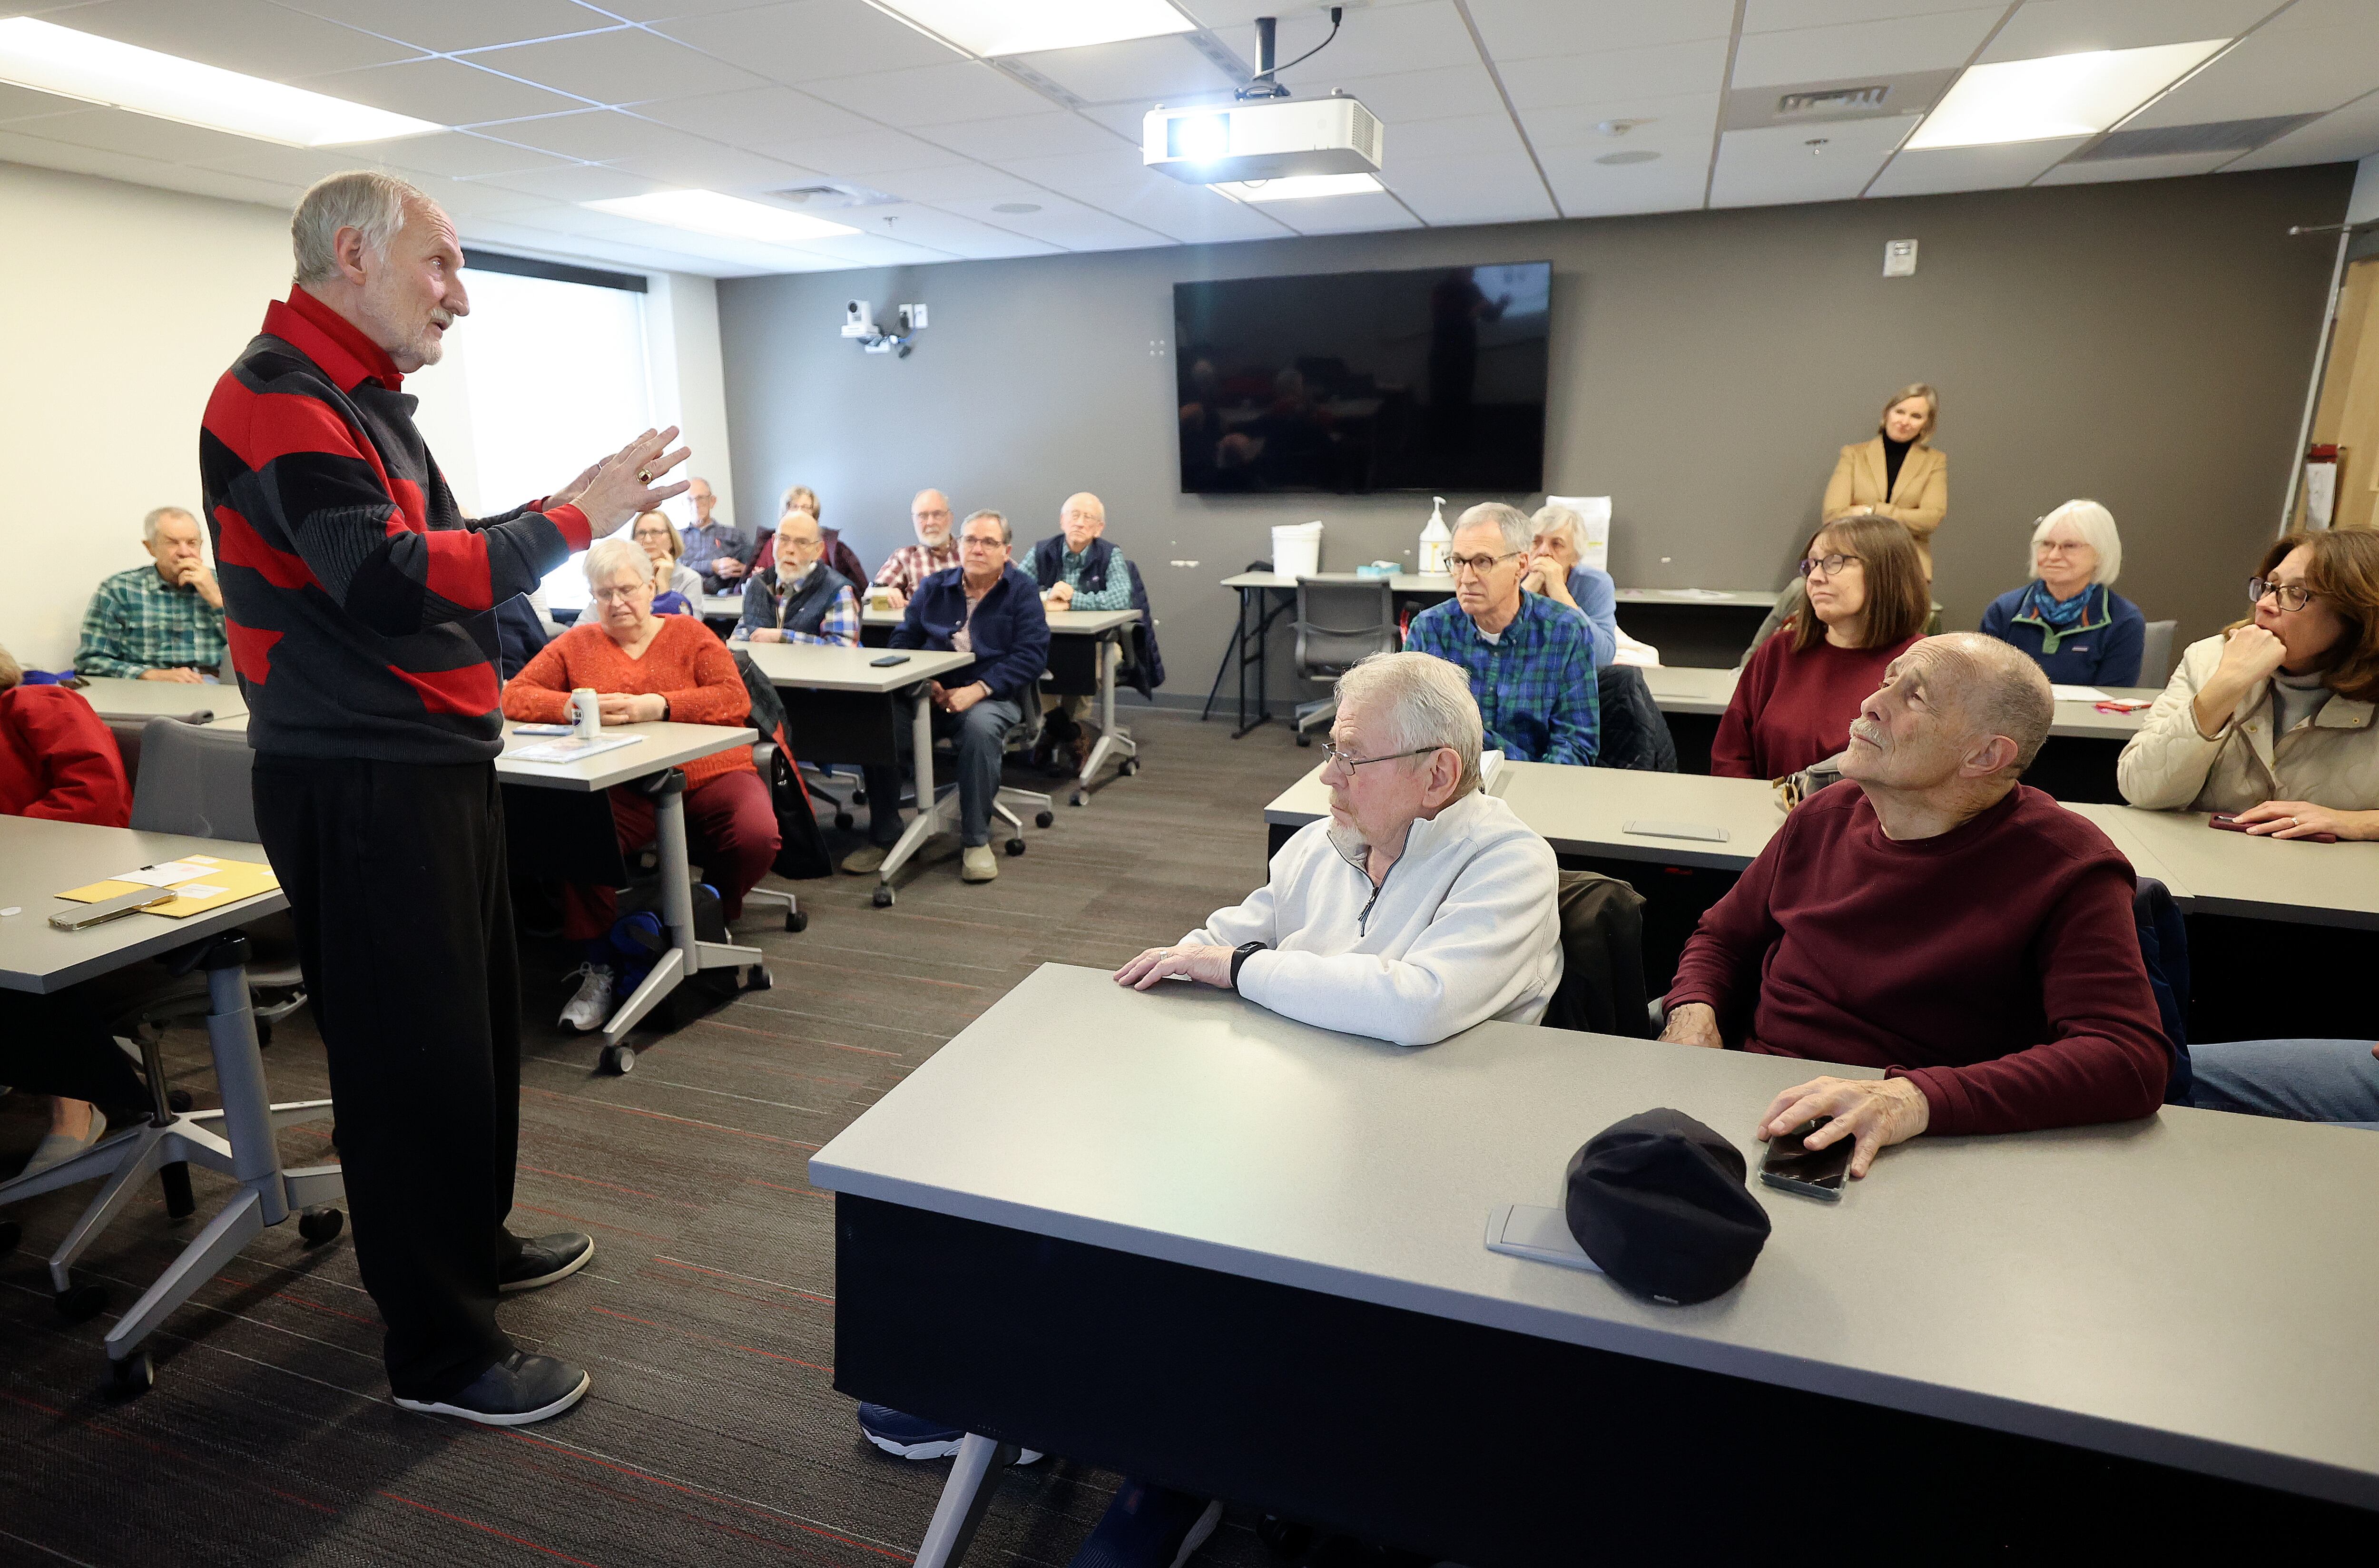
<point x="1694" y="1023"/>
<point x="1211" y="966"/>
<point x="1878" y="1111"/>
<point x="620" y="490"/>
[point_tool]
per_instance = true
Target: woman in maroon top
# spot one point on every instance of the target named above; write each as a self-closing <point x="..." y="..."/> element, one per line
<point x="1793" y="706"/>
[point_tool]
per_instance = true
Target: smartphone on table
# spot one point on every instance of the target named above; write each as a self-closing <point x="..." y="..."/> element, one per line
<point x="1793" y="1166"/>
<point x="2228" y="822"/>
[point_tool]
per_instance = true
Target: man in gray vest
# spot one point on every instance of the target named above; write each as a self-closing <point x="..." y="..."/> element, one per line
<point x="801" y="598"/>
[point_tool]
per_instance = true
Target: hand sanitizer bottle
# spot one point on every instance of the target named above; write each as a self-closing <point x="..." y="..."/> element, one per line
<point x="1435" y="542"/>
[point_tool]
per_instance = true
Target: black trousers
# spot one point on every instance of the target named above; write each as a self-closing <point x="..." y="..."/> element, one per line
<point x="395" y="878"/>
<point x="58" y="1044"/>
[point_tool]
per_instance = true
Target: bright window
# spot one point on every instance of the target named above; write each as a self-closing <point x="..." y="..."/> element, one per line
<point x="557" y="377"/>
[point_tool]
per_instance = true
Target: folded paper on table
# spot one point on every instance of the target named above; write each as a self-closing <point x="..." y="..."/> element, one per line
<point x="2077" y="693"/>
<point x="212" y="883"/>
<point x="575" y="748"/>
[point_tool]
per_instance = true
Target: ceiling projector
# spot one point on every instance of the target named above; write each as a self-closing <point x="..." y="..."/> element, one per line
<point x="1261" y="142"/>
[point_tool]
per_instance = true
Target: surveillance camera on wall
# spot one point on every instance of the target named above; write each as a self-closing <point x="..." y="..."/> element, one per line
<point x="858" y="319"/>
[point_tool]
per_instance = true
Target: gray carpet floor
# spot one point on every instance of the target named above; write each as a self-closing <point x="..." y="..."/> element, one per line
<point x="713" y="1434"/>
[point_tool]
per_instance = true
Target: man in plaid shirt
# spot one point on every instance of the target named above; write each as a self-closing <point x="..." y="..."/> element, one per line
<point x="933" y="551"/>
<point x="1530" y="660"/>
<point x="162" y="621"/>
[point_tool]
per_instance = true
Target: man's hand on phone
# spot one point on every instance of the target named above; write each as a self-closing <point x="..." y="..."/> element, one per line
<point x="1878" y="1111"/>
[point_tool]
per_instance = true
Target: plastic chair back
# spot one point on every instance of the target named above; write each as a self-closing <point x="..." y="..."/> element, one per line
<point x="194" y="780"/>
<point x="1339" y="624"/>
<point x="2156" y="652"/>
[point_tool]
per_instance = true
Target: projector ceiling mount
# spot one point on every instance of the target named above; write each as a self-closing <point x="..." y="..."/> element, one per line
<point x="1266" y="83"/>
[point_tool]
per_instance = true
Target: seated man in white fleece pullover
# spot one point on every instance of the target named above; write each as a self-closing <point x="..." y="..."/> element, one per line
<point x="1420" y="907"/>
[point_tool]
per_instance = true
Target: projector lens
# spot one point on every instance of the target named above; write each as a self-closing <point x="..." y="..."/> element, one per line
<point x="1199" y="137"/>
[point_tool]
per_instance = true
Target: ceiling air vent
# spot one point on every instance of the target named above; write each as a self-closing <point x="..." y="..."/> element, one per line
<point x="820" y="195"/>
<point x="1832" y="101"/>
<point x="2218" y="136"/>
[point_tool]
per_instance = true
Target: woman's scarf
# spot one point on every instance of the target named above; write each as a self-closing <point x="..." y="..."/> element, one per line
<point x="2059" y="619"/>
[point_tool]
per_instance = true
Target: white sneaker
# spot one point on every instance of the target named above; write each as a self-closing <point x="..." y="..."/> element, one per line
<point x="587" y="1011"/>
<point x="977" y="864"/>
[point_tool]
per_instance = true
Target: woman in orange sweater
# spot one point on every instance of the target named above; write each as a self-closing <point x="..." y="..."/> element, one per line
<point x="645" y="667"/>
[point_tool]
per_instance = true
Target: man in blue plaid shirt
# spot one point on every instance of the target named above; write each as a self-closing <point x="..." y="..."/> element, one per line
<point x="1531" y="659"/>
<point x="163" y="621"/>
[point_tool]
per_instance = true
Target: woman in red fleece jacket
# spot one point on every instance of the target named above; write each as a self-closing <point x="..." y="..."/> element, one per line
<point x="58" y="761"/>
<point x="1794" y="703"/>
<point x="645" y="667"/>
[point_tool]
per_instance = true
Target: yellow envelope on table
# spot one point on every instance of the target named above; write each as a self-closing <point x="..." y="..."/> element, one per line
<point x="218" y="883"/>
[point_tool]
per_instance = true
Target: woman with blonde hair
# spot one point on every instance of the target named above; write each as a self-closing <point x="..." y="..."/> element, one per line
<point x="2068" y="617"/>
<point x="2272" y="719"/>
<point x="1896" y="473"/>
<point x="1866" y="603"/>
<point x="678" y="588"/>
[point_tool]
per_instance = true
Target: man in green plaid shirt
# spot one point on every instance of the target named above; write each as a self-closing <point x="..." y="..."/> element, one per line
<point x="162" y="621"/>
<point x="1529" y="659"/>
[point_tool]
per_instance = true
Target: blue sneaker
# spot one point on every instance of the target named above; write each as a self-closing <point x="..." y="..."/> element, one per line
<point x="1147" y="1526"/>
<point x="913" y="1437"/>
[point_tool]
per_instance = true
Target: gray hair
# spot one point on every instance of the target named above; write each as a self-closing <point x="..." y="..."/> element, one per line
<point x="1510" y="521"/>
<point x="605" y="556"/>
<point x="159" y="515"/>
<point x="2096" y="527"/>
<point x="1006" y="535"/>
<point x="1558" y="520"/>
<point x="367" y="200"/>
<point x="1423" y="701"/>
<point x="2001" y="690"/>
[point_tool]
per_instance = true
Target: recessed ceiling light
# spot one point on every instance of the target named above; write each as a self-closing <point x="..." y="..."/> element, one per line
<point x="1024" y="26"/>
<point x="1018" y="207"/>
<point x="1297" y="187"/>
<point x="732" y="217"/>
<point x="2058" y="96"/>
<point x="1641" y="155"/>
<point x="49" y="59"/>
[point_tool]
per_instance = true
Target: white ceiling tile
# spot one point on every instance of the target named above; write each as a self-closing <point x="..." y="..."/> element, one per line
<point x="949" y="234"/>
<point x="120" y="130"/>
<point x="624" y="66"/>
<point x="577" y="182"/>
<point x="457" y="154"/>
<point x="1668" y="123"/>
<point x="705" y="165"/>
<point x="592" y="135"/>
<point x="1374" y="41"/>
<point x="1776" y="16"/>
<point x="1773" y="164"/>
<point x="1345" y="214"/>
<point x="1658" y="71"/>
<point x="444" y="91"/>
<point x="1125" y="119"/>
<point x="1071" y="225"/>
<point x="757" y="116"/>
<point x="2298" y="71"/>
<point x="869" y="152"/>
<point x="1529" y="30"/>
<point x="1024" y="135"/>
<point x="2349" y="131"/>
<point x="2160" y="168"/>
<point x="1931" y="170"/>
<point x="1437" y="94"/>
<point x="17" y="147"/>
<point x="1222" y="15"/>
<point x="465" y="200"/>
<point x="238" y="35"/>
<point x="1464" y="136"/>
<point x="912" y="235"/>
<point x="1863" y="49"/>
<point x="959" y="183"/>
<point x="1467" y="189"/>
<point x="932" y="95"/>
<point x="24" y="104"/>
<point x="1588" y="189"/>
<point x="300" y="166"/>
<point x="809" y="40"/>
<point x="1090" y="175"/>
<point x="444" y="26"/>
<point x="1190" y="213"/>
<point x="2069" y="27"/>
<point x="1145" y="70"/>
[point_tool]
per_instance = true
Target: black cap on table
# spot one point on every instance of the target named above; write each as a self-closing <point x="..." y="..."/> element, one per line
<point x="1659" y="1202"/>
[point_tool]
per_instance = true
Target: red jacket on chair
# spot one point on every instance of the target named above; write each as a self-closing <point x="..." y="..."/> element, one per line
<point x="58" y="761"/>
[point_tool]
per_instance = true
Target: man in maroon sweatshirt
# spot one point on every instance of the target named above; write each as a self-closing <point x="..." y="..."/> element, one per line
<point x="1942" y="922"/>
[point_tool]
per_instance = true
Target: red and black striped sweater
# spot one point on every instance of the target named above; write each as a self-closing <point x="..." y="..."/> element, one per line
<point x="357" y="597"/>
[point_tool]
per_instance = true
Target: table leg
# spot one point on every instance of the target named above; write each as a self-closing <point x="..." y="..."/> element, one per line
<point x="1255" y="648"/>
<point x="1232" y="653"/>
<point x="688" y="951"/>
<point x="920" y="827"/>
<point x="1114" y="742"/>
<point x="965" y="1497"/>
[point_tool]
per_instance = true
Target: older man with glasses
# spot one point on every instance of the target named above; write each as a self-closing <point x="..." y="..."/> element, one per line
<point x="1464" y="930"/>
<point x="1529" y="658"/>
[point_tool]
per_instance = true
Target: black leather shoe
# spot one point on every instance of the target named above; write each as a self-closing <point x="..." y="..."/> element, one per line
<point x="518" y="1390"/>
<point x="548" y="1258"/>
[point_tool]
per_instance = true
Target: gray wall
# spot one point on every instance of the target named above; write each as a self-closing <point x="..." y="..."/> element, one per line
<point x="2146" y="343"/>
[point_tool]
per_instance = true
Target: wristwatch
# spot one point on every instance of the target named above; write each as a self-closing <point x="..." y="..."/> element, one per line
<point x="1241" y="955"/>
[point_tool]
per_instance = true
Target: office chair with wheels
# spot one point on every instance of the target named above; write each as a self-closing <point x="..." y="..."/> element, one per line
<point x="764" y="758"/>
<point x="1338" y="624"/>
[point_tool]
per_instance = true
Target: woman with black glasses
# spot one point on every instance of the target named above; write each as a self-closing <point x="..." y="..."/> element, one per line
<point x="1867" y="601"/>
<point x="2272" y="719"/>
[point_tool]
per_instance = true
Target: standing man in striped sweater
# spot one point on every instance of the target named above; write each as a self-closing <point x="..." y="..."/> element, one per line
<point x="360" y="608"/>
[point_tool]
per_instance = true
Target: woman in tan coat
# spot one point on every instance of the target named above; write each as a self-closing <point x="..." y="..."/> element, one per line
<point x="2273" y="719"/>
<point x="1896" y="474"/>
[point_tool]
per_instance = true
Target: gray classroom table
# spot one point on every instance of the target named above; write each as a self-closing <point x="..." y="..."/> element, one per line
<point x="2127" y="1290"/>
<point x="41" y="859"/>
<point x="2234" y="874"/>
<point x="722" y="607"/>
<point x="1686" y="690"/>
<point x="116" y="697"/>
<point x="1108" y="627"/>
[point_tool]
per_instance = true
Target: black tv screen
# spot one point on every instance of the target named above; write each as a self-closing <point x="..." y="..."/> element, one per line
<point x="1348" y="382"/>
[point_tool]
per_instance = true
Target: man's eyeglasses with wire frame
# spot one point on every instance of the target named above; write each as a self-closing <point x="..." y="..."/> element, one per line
<point x="1331" y="756"/>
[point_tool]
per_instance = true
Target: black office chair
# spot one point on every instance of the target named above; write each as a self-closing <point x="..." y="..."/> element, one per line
<point x="1338" y="625"/>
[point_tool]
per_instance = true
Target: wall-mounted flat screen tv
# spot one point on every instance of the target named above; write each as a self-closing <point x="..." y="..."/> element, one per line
<point x="1348" y="382"/>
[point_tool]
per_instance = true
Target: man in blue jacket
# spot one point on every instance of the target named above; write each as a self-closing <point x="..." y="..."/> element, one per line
<point x="986" y="607"/>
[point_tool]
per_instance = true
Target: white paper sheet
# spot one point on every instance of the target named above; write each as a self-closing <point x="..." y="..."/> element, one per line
<point x="165" y="875"/>
<point x="2077" y="693"/>
<point x="574" y="749"/>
